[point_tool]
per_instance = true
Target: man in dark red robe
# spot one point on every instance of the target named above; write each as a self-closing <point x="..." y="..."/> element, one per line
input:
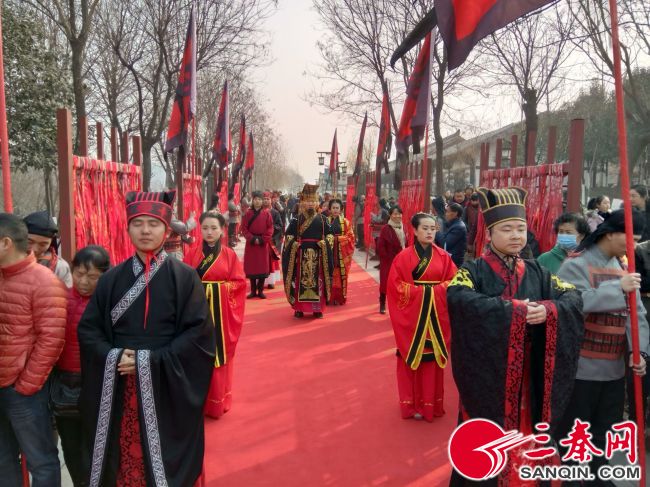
<point x="147" y="346"/>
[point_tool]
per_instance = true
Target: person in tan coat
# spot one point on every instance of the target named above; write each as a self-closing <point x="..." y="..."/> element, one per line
<point x="32" y="331"/>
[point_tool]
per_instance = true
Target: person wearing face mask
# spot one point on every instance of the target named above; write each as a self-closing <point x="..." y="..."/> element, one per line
<point x="224" y="282"/>
<point x="516" y="331"/>
<point x="307" y="259"/>
<point x="600" y="274"/>
<point x="570" y="229"/>
<point x="417" y="305"/>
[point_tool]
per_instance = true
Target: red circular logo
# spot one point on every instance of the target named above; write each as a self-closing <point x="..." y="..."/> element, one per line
<point x="477" y="449"/>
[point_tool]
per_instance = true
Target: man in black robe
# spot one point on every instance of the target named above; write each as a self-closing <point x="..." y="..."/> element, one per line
<point x="516" y="331"/>
<point x="147" y="349"/>
<point x="307" y="257"/>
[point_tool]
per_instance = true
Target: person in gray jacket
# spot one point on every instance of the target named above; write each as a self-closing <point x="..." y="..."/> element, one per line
<point x="599" y="273"/>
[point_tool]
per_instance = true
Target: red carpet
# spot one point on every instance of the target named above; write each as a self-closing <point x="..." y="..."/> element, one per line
<point x="315" y="403"/>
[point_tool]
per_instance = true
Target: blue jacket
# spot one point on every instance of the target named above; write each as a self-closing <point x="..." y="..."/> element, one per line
<point x="454" y="240"/>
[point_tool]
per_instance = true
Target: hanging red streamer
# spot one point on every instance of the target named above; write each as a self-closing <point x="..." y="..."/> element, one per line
<point x="411" y="202"/>
<point x="371" y="202"/>
<point x="192" y="203"/>
<point x="544" y="202"/>
<point x="98" y="186"/>
<point x="349" y="203"/>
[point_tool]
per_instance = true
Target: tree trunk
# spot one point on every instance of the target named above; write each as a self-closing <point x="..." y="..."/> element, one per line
<point x="529" y="107"/>
<point x="147" y="147"/>
<point x="77" y="47"/>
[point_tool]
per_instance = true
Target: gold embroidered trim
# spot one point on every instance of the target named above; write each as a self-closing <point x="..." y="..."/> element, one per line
<point x="293" y="249"/>
<point x="404" y="292"/>
<point x="326" y="268"/>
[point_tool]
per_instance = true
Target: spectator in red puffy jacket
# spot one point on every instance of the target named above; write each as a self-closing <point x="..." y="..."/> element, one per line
<point x="87" y="267"/>
<point x="32" y="330"/>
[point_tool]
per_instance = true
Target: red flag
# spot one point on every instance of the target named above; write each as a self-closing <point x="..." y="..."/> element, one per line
<point x="250" y="163"/>
<point x="185" y="101"/>
<point x="222" y="147"/>
<point x="334" y="156"/>
<point x="357" y="166"/>
<point x="415" y="114"/>
<point x="241" y="156"/>
<point x="385" y="143"/>
<point x="463" y="23"/>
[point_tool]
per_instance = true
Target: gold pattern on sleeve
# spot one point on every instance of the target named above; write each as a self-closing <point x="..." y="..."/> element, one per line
<point x="462" y="278"/>
<point x="560" y="285"/>
<point x="404" y="292"/>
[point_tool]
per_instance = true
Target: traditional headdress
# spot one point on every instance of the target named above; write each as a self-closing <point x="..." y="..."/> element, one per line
<point x="309" y="193"/>
<point x="156" y="205"/>
<point x="266" y="194"/>
<point x="498" y="205"/>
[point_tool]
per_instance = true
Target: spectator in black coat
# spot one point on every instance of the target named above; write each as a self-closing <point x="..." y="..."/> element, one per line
<point x="454" y="238"/>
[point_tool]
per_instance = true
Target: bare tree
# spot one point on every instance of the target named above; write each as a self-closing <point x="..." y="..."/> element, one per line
<point x="148" y="36"/>
<point x="529" y="55"/>
<point x="75" y="19"/>
<point x="593" y="38"/>
<point x="362" y="36"/>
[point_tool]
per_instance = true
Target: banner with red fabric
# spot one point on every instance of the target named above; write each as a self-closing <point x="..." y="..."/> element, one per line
<point x="334" y="158"/>
<point x="544" y="184"/>
<point x="410" y="201"/>
<point x="463" y="23"/>
<point x="384" y="144"/>
<point x="359" y="161"/>
<point x="100" y="189"/>
<point x="370" y="204"/>
<point x="193" y="203"/>
<point x="349" y="204"/>
<point x="184" y="106"/>
<point x="415" y="114"/>
<point x="250" y="163"/>
<point x="241" y="156"/>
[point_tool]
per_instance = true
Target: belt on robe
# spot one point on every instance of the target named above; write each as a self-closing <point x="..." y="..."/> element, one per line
<point x="220" y="355"/>
<point x="421" y="283"/>
<point x="309" y="240"/>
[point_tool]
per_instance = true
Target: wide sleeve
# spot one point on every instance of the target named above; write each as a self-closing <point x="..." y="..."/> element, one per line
<point x="383" y="243"/>
<point x="482" y="327"/>
<point x="49" y="309"/>
<point x="233" y="303"/>
<point x="184" y="366"/>
<point x="346" y="240"/>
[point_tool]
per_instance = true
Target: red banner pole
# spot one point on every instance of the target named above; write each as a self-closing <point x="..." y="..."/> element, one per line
<point x="426" y="174"/>
<point x="629" y="238"/>
<point x="4" y="137"/>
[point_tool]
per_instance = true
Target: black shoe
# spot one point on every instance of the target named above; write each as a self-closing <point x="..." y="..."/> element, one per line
<point x="382" y="304"/>
<point x="318" y="315"/>
<point x="271" y="286"/>
<point x="298" y="314"/>
<point x="251" y="295"/>
<point x="377" y="266"/>
<point x="261" y="295"/>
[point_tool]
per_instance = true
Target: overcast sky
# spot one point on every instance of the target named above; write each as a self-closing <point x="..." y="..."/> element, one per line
<point x="285" y="83"/>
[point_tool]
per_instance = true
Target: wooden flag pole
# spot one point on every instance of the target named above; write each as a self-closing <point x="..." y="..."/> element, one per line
<point x="4" y="138"/>
<point x="629" y="238"/>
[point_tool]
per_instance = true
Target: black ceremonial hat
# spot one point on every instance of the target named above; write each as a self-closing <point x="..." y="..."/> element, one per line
<point x="503" y="204"/>
<point x="157" y="205"/>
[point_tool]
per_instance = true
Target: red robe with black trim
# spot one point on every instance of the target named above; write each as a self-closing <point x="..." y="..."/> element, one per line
<point x="342" y="251"/>
<point x="257" y="226"/>
<point x="417" y="302"/>
<point x="225" y="285"/>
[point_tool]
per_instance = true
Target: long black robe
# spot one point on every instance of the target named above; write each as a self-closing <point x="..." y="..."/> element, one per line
<point x="174" y="364"/>
<point x="492" y="345"/>
<point x="302" y="235"/>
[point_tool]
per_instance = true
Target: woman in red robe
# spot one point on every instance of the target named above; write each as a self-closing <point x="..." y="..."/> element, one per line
<point x="225" y="289"/>
<point x="417" y="302"/>
<point x="257" y="227"/>
<point x="342" y="251"/>
<point x="391" y="241"/>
